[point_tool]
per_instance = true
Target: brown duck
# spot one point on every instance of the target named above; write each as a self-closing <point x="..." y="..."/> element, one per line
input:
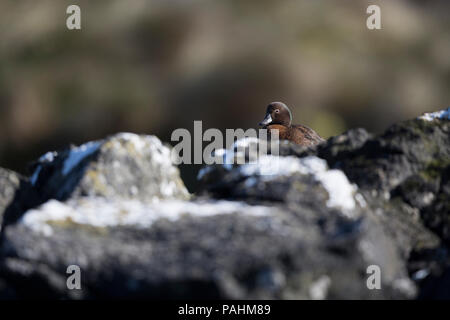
<point x="279" y="117"/>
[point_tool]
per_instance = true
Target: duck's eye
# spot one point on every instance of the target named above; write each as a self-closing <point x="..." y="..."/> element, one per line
<point x="277" y="111"/>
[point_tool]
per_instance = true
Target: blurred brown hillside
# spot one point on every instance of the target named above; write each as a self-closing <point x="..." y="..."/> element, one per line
<point x="153" y="66"/>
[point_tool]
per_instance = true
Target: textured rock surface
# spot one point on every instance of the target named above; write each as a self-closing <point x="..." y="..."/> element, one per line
<point x="305" y="225"/>
<point x="9" y="184"/>
<point x="174" y="249"/>
<point x="123" y="166"/>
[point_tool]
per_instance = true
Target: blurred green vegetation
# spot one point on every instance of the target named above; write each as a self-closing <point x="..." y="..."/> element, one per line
<point x="153" y="66"/>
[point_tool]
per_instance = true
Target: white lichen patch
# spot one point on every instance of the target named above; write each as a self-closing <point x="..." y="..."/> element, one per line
<point x="151" y="155"/>
<point x="148" y="145"/>
<point x="126" y="159"/>
<point x="442" y="114"/>
<point x="99" y="212"/>
<point x="77" y="154"/>
<point x="135" y="139"/>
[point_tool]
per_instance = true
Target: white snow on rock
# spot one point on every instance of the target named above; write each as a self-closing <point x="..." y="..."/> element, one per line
<point x="269" y="165"/>
<point x="341" y="192"/>
<point x="99" y="212"/>
<point x="442" y="114"/>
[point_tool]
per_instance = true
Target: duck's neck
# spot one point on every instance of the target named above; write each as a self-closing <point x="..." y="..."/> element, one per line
<point x="286" y="123"/>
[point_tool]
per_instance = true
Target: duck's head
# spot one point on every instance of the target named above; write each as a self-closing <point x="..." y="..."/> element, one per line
<point x="277" y="113"/>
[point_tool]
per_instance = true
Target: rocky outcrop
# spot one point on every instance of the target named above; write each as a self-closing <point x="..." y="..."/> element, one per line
<point x="308" y="224"/>
<point x="125" y="166"/>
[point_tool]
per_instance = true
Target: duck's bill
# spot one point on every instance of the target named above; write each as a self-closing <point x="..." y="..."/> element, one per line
<point x="266" y="121"/>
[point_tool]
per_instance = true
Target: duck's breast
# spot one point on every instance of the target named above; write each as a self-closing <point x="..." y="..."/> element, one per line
<point x="283" y="131"/>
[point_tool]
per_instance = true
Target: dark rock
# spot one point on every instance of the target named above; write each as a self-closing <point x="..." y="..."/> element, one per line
<point x="407" y="148"/>
<point x="174" y="249"/>
<point x="17" y="196"/>
<point x="340" y="147"/>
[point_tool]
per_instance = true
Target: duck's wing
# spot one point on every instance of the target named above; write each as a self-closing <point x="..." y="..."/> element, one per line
<point x="309" y="134"/>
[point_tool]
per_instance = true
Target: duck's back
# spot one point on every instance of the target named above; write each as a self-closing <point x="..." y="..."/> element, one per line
<point x="304" y="136"/>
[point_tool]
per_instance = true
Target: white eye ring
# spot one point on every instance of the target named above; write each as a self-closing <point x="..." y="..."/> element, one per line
<point x="277" y="111"/>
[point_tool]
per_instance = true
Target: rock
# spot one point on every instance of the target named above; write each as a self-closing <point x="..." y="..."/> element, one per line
<point x="307" y="224"/>
<point x="123" y="166"/>
<point x="401" y="175"/>
<point x="385" y="162"/>
<point x="9" y="184"/>
<point x="179" y="249"/>
<point x="408" y="166"/>
<point x="16" y="196"/>
<point x="6" y="291"/>
<point x="319" y="197"/>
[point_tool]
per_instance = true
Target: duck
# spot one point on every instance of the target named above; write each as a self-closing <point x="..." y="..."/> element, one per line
<point x="279" y="117"/>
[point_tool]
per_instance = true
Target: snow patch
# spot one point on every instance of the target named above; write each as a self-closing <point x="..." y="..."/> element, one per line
<point x="341" y="193"/>
<point x="442" y="114"/>
<point x="99" y="212"/>
<point x="270" y="165"/>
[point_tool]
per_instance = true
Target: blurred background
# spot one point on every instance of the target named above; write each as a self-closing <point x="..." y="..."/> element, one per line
<point x="154" y="66"/>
